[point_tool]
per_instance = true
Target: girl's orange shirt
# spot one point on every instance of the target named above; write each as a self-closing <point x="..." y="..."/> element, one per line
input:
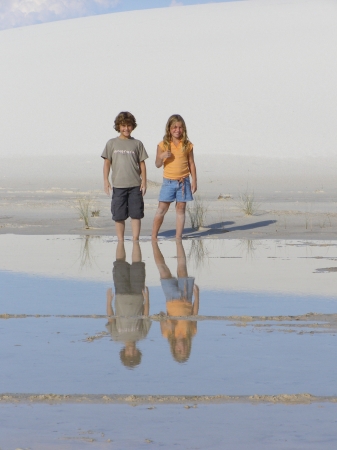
<point x="176" y="166"/>
<point x="180" y="328"/>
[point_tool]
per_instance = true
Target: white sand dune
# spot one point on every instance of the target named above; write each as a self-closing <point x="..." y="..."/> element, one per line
<point x="251" y="78"/>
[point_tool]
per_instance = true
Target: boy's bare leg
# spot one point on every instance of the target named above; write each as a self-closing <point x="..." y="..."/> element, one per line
<point x="159" y="217"/>
<point x="120" y="229"/>
<point x="136" y="252"/>
<point x="164" y="271"/>
<point x="181" y="260"/>
<point x="135" y="225"/>
<point x="120" y="251"/>
<point x="180" y="219"/>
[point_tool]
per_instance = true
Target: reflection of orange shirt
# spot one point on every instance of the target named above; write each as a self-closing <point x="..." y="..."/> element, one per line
<point x="181" y="328"/>
<point x="176" y="166"/>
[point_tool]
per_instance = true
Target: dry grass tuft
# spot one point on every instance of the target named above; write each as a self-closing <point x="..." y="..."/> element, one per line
<point x="83" y="205"/>
<point x="247" y="203"/>
<point x="197" y="212"/>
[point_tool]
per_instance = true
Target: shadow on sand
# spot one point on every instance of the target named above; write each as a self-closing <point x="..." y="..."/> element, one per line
<point x="218" y="228"/>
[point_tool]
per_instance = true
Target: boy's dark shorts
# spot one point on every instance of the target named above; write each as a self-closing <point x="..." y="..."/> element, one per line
<point x="127" y="202"/>
<point x="128" y="279"/>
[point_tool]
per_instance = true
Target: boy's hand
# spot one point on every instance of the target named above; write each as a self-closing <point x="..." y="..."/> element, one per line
<point x="145" y="292"/>
<point x="194" y="186"/>
<point x="143" y="188"/>
<point x="107" y="187"/>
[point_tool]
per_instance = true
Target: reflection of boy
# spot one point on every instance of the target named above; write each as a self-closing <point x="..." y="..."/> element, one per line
<point x="131" y="301"/>
<point x="179" y="303"/>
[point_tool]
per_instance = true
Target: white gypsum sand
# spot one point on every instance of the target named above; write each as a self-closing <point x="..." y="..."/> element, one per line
<point x="252" y="75"/>
<point x="256" y="87"/>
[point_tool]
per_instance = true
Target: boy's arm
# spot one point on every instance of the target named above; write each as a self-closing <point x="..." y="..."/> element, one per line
<point x="146" y="296"/>
<point x="106" y="172"/>
<point x="193" y="171"/>
<point x="109" y="297"/>
<point x="143" y="185"/>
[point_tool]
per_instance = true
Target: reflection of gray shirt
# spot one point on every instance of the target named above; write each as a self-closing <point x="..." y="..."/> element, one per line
<point x="125" y="156"/>
<point x="129" y="328"/>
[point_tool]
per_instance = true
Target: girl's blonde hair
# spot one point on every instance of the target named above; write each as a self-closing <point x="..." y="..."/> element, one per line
<point x="168" y="138"/>
<point x="187" y="341"/>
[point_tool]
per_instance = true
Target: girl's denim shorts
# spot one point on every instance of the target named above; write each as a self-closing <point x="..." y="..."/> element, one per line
<point x="173" y="190"/>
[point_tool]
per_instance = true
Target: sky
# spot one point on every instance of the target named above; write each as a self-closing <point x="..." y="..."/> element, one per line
<point x="18" y="13"/>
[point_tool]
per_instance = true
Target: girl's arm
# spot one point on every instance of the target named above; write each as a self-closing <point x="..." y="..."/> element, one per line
<point x="161" y="156"/>
<point x="195" y="308"/>
<point x="193" y="171"/>
<point x="143" y="185"/>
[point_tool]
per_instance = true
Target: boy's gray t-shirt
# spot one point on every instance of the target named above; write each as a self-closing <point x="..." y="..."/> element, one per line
<point x="125" y="156"/>
<point x="128" y="327"/>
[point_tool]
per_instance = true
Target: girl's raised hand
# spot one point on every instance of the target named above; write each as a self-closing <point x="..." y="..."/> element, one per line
<point x="166" y="155"/>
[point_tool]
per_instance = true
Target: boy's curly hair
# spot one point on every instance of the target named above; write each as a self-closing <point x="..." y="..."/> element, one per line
<point x="124" y="118"/>
<point x="130" y="361"/>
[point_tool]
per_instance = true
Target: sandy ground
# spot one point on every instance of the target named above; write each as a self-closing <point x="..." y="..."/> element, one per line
<point x="293" y="198"/>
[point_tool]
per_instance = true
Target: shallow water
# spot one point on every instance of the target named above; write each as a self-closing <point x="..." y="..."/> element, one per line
<point x="248" y="331"/>
<point x="54" y="355"/>
<point x="239" y="427"/>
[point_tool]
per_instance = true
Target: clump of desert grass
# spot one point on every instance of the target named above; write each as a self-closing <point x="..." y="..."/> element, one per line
<point x="197" y="212"/>
<point x="247" y="203"/>
<point x="83" y="207"/>
<point x="87" y="208"/>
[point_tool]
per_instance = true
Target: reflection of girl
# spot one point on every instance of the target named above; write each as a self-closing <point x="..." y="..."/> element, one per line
<point x="179" y="303"/>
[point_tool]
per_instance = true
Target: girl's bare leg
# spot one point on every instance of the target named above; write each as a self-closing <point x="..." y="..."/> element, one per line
<point x="180" y="219"/>
<point x="164" y="271"/>
<point x="135" y="225"/>
<point x="120" y="229"/>
<point x="159" y="217"/>
<point x="181" y="260"/>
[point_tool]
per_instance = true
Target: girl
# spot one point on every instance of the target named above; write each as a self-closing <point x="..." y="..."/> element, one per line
<point x="175" y="152"/>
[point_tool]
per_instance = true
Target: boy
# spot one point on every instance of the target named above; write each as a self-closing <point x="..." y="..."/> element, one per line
<point x="126" y="157"/>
